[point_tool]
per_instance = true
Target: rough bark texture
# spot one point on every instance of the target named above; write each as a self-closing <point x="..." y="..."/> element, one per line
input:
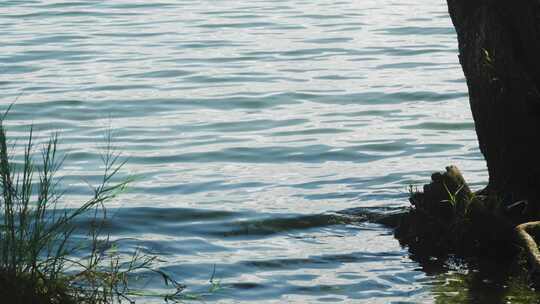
<point x="499" y="47"/>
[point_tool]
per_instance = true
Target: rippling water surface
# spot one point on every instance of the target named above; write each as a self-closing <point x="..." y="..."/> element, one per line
<point x="255" y="128"/>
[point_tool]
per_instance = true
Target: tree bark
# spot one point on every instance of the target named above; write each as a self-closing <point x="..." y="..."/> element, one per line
<point x="499" y="50"/>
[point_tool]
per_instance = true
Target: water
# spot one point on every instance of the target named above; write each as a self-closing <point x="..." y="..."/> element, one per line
<point x="257" y="130"/>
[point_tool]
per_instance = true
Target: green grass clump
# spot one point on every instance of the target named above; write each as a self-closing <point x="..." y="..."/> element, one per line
<point x="39" y="260"/>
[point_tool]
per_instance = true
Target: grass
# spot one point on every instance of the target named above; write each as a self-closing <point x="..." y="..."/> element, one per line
<point x="40" y="261"/>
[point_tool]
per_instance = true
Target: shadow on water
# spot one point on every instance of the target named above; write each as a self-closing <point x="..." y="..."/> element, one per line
<point x="474" y="281"/>
<point x="477" y="281"/>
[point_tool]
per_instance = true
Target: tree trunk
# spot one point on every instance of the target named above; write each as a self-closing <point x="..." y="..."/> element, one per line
<point x="499" y="50"/>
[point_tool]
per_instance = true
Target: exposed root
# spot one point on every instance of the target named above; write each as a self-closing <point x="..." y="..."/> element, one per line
<point x="448" y="218"/>
<point x="529" y="244"/>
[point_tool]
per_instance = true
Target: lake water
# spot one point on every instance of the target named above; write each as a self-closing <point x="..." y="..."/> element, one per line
<point x="258" y="131"/>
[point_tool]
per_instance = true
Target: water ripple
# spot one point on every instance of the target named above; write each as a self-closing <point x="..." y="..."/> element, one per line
<point x="249" y="123"/>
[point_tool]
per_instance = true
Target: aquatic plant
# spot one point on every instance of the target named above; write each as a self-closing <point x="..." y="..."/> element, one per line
<point x="40" y="262"/>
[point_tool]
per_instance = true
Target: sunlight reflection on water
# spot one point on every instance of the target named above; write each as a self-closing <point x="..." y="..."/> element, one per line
<point x="264" y="110"/>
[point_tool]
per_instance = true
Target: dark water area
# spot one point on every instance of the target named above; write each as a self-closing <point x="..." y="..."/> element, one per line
<point x="261" y="133"/>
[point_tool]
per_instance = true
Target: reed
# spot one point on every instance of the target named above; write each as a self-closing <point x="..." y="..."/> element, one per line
<point x="39" y="260"/>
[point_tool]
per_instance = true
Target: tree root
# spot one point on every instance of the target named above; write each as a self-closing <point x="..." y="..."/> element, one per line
<point x="448" y="218"/>
<point x="528" y="243"/>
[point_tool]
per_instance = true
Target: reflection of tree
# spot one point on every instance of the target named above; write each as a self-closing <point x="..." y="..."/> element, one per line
<point x="480" y="282"/>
